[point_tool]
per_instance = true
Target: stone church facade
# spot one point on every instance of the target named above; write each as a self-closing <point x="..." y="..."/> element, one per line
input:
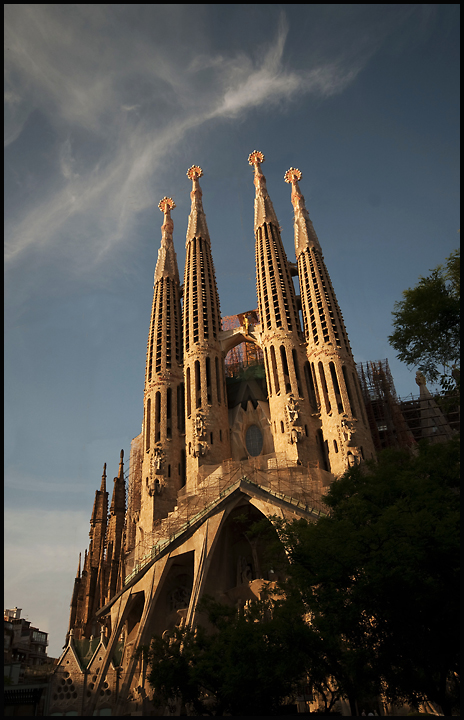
<point x="215" y="454"/>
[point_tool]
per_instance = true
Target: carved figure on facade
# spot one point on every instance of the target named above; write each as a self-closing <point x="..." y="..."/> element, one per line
<point x="200" y="427"/>
<point x="353" y="458"/>
<point x="295" y="434"/>
<point x="293" y="410"/>
<point x="157" y="460"/>
<point x="200" y="446"/>
<point x="348" y="431"/>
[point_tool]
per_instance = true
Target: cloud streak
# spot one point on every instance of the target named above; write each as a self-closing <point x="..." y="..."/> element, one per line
<point x="134" y="105"/>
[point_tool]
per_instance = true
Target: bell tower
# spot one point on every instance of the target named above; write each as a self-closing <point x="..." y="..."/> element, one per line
<point x="206" y="415"/>
<point x="292" y="402"/>
<point x="163" y="463"/>
<point x="346" y="435"/>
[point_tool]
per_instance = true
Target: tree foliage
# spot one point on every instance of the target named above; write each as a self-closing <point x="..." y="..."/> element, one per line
<point x="244" y="664"/>
<point x="370" y="603"/>
<point x="380" y="576"/>
<point x="426" y="324"/>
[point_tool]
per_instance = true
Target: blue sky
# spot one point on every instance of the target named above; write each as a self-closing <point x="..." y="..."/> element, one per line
<point x="106" y="108"/>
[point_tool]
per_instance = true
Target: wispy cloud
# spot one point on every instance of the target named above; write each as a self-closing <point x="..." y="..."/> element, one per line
<point x="131" y="100"/>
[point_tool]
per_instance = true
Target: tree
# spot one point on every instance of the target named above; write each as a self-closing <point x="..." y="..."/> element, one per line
<point x="380" y="576"/>
<point x="370" y="604"/>
<point x="426" y="324"/>
<point x="244" y="664"/>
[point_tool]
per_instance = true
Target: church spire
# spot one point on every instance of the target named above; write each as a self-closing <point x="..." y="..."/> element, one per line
<point x="121" y="465"/>
<point x="207" y="425"/>
<point x="276" y="293"/>
<point x="166" y="265"/>
<point x="164" y="337"/>
<point x="197" y="221"/>
<point x="163" y="396"/>
<point x="323" y="321"/>
<point x="202" y="317"/>
<point x="291" y="404"/>
<point x="305" y="235"/>
<point x="264" y="209"/>
<point x="346" y="435"/>
<point x="118" y="500"/>
<point x="103" y="482"/>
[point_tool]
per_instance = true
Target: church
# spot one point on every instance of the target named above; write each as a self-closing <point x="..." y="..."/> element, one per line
<point x="223" y="444"/>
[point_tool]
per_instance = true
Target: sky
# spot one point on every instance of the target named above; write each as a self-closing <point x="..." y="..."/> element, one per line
<point x="106" y="108"/>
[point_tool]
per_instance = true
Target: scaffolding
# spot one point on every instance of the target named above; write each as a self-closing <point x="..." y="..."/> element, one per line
<point x="402" y="423"/>
<point x="291" y="485"/>
<point x="247" y="353"/>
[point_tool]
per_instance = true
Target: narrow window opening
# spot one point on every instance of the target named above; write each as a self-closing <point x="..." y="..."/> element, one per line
<point x="316" y="390"/>
<point x="147" y="425"/>
<point x="209" y="394"/>
<point x="323" y="445"/>
<point x="218" y="380"/>
<point x="169" y="471"/>
<point x="157" y="416"/>
<point x="268" y="375"/>
<point x="283" y="356"/>
<point x="335" y="446"/>
<point x="211" y="438"/>
<point x="197" y="384"/>
<point x="274" y="370"/>
<point x="282" y="426"/>
<point x="297" y="373"/>
<point x="328" y="406"/>
<point x="348" y="391"/>
<point x="336" y="387"/>
<point x="169" y="413"/>
<point x="309" y="385"/>
<point x="181" y="408"/>
<point x="189" y="396"/>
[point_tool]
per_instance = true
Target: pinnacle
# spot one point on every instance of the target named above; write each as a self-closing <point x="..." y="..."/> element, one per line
<point x="305" y="235"/>
<point x="197" y="221"/>
<point x="264" y="210"/>
<point x="166" y="265"/>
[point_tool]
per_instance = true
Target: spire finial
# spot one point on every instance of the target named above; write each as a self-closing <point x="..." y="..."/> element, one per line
<point x="166" y="264"/>
<point x="256" y="158"/>
<point x="305" y="234"/>
<point x="166" y="205"/>
<point x="121" y="464"/>
<point x="103" y="482"/>
<point x="195" y="172"/>
<point x="264" y="210"/>
<point x="197" y="221"/>
<point x="292" y="176"/>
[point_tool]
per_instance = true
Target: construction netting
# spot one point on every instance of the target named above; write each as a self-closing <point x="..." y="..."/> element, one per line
<point x="245" y="354"/>
<point x="295" y="485"/>
<point x="402" y="423"/>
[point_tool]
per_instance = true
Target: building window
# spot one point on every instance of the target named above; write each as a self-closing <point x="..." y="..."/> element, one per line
<point x="147" y="425"/>
<point x="254" y="440"/>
